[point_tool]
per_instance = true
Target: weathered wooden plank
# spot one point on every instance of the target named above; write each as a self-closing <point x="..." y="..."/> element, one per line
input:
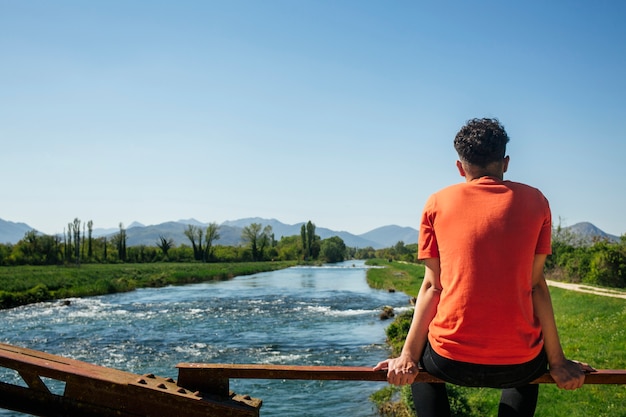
<point x="600" y="376"/>
<point x="100" y="391"/>
<point x="215" y="376"/>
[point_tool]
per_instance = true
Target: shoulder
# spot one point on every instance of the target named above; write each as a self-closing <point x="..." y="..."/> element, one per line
<point x="528" y="192"/>
<point x="443" y="194"/>
<point x="523" y="187"/>
<point x="449" y="190"/>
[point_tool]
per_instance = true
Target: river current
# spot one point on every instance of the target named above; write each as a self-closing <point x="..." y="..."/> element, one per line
<point x="298" y="316"/>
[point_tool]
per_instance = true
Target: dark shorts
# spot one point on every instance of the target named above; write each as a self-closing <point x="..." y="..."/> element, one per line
<point x="489" y="376"/>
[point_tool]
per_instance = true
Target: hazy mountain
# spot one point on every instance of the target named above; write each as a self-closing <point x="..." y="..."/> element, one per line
<point x="193" y="222"/>
<point x="11" y="232"/>
<point x="390" y="235"/>
<point x="349" y="239"/>
<point x="99" y="231"/>
<point x="280" y="229"/>
<point x="230" y="232"/>
<point x="587" y="232"/>
<point x="149" y="235"/>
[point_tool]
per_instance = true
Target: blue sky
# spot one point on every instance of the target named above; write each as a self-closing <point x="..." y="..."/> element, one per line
<point x="339" y="112"/>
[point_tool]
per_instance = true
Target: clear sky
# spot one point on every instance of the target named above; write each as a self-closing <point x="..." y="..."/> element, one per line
<point x="340" y="112"/>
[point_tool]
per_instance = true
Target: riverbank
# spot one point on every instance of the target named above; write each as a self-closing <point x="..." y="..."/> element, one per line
<point x="305" y="315"/>
<point x="395" y="276"/>
<point x="591" y="330"/>
<point x="31" y="284"/>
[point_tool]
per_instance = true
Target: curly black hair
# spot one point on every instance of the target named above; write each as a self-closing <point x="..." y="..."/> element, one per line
<point x="481" y="142"/>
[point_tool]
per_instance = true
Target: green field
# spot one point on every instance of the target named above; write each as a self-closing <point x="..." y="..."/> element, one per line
<point x="592" y="330"/>
<point x="29" y="284"/>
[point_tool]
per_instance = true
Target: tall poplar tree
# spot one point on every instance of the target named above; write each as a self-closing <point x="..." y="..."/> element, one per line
<point x="305" y="249"/>
<point x="76" y="231"/>
<point x="90" y="239"/>
<point x="310" y="237"/>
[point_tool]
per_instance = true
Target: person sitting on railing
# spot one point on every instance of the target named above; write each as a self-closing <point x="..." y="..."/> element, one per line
<point x="484" y="316"/>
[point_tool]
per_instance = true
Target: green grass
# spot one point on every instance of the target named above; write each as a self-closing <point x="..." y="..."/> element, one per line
<point x="399" y="276"/>
<point x="592" y="329"/>
<point x="29" y="284"/>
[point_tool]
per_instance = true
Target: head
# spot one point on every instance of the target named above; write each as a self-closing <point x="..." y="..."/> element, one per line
<point x="481" y="145"/>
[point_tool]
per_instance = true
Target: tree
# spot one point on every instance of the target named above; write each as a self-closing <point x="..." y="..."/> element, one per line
<point x="121" y="239"/>
<point x="289" y="248"/>
<point x="212" y="234"/>
<point x="305" y="254"/>
<point x="90" y="239"/>
<point x="333" y="249"/>
<point x="5" y="253"/>
<point x="608" y="265"/>
<point x="66" y="245"/>
<point x="165" y="244"/>
<point x="310" y="237"/>
<point x="365" y="253"/>
<point x="310" y="241"/>
<point x="257" y="238"/>
<point x="36" y="249"/>
<point x="195" y="234"/>
<point x="75" y="226"/>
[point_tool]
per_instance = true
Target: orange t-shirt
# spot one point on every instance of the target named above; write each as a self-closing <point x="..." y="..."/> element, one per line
<point x="486" y="234"/>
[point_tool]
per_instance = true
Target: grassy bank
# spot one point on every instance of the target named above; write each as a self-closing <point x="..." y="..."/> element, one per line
<point x="591" y="329"/>
<point x="21" y="285"/>
<point x="398" y="276"/>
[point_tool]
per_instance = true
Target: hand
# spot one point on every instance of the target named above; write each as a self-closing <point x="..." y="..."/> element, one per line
<point x="569" y="375"/>
<point x="400" y="371"/>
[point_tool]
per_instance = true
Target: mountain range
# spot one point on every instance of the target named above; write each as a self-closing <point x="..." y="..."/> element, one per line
<point x="230" y="232"/>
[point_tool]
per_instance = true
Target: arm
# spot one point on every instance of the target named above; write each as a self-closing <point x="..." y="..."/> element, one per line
<point x="566" y="373"/>
<point x="403" y="369"/>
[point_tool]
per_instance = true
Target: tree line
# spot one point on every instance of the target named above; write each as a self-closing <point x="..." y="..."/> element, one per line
<point x="599" y="261"/>
<point x="594" y="261"/>
<point x="77" y="245"/>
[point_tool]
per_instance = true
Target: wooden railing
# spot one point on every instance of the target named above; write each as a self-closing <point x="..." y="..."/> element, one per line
<point x="215" y="378"/>
<point x="54" y="385"/>
<point x="58" y="386"/>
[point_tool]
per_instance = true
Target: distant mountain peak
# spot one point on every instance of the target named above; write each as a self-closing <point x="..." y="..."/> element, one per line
<point x="12" y="232"/>
<point x="381" y="237"/>
<point x="587" y="232"/>
<point x="248" y="221"/>
<point x="192" y="222"/>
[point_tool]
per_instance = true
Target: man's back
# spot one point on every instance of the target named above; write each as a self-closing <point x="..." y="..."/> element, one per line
<point x="486" y="233"/>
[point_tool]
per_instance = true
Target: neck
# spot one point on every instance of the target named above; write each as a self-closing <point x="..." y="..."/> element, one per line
<point x="470" y="178"/>
<point x="473" y="172"/>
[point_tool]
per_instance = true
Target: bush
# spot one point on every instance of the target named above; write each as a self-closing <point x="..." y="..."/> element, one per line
<point x="608" y="265"/>
<point x="601" y="263"/>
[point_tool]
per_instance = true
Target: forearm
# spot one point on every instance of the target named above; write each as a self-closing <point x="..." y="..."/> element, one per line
<point x="543" y="311"/>
<point x="404" y="369"/>
<point x="567" y="374"/>
<point x="425" y="310"/>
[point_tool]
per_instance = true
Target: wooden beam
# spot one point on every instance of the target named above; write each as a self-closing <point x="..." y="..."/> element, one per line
<point x="105" y="392"/>
<point x="215" y="377"/>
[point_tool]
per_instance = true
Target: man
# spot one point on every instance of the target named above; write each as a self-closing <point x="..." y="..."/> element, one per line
<point x="483" y="315"/>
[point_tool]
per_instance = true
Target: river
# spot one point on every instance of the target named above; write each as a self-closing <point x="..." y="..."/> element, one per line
<point x="298" y="316"/>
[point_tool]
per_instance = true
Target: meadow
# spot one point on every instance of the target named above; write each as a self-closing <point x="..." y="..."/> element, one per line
<point x="591" y="328"/>
<point x="21" y="285"/>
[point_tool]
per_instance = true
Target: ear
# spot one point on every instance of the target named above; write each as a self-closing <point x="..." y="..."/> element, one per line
<point x="505" y="165"/>
<point x="459" y="166"/>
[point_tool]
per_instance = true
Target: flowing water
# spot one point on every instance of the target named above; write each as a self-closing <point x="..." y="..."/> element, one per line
<point x="297" y="316"/>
